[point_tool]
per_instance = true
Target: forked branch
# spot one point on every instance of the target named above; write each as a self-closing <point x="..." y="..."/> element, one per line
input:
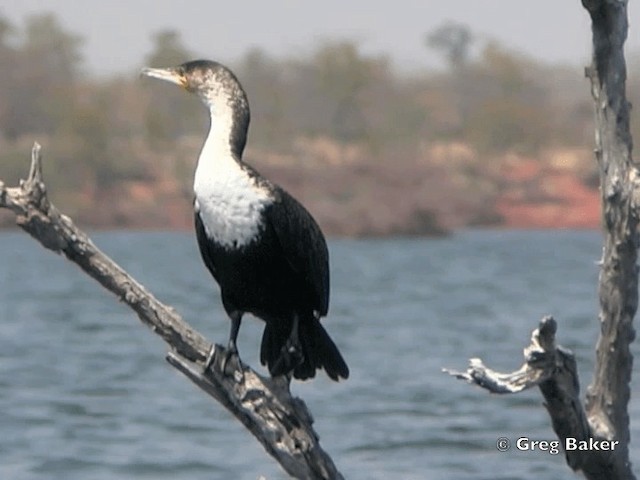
<point x="553" y="369"/>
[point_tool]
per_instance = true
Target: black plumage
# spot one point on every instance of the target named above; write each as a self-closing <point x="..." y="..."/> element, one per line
<point x="261" y="245"/>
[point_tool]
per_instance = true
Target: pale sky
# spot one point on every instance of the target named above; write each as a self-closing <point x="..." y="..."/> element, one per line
<point x="117" y="33"/>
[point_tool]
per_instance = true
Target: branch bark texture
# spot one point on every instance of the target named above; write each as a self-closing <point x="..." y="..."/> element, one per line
<point x="280" y="422"/>
<point x="608" y="395"/>
<point x="604" y="416"/>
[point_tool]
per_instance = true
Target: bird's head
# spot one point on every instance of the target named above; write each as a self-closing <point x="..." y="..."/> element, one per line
<point x="211" y="81"/>
<point x="219" y="89"/>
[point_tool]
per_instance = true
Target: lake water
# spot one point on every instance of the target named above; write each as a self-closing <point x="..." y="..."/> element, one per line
<point x="86" y="394"/>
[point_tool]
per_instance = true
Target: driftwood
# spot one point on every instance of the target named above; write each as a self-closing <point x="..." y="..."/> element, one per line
<point x="265" y="406"/>
<point x="604" y="414"/>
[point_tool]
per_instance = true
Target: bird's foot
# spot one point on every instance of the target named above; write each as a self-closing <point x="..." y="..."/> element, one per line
<point x="290" y="357"/>
<point x="230" y="358"/>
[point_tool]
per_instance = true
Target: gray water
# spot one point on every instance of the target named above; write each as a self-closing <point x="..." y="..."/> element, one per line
<point x="85" y="392"/>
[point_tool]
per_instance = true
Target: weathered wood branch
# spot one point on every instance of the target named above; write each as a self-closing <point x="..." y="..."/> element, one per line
<point x="280" y="422"/>
<point x="608" y="395"/>
<point x="542" y="359"/>
<point x="553" y="369"/>
<point x="605" y="413"/>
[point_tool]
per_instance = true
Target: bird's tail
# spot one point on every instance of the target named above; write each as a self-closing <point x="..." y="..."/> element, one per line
<point x="318" y="350"/>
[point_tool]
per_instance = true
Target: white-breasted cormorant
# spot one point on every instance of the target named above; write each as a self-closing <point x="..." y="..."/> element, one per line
<point x="261" y="245"/>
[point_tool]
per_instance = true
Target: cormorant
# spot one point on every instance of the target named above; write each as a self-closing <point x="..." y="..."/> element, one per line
<point x="261" y="245"/>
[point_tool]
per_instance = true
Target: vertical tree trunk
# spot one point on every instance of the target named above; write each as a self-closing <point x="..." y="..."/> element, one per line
<point x="608" y="395"/>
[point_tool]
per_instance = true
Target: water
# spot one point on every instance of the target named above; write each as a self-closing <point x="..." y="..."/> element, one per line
<point x="85" y="392"/>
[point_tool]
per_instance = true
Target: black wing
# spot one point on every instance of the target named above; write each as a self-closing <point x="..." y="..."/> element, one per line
<point x="204" y="245"/>
<point x="303" y="245"/>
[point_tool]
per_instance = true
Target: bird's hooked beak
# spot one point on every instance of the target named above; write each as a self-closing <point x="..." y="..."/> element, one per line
<point x="172" y="75"/>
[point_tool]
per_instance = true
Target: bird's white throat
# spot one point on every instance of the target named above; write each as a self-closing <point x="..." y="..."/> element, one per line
<point x="228" y="199"/>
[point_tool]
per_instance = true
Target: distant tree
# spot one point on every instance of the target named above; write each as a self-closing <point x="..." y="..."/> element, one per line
<point x="500" y="101"/>
<point x="52" y="48"/>
<point x="344" y="74"/>
<point x="508" y="103"/>
<point x="43" y="75"/>
<point x="453" y="40"/>
<point x="168" y="49"/>
<point x="6" y="29"/>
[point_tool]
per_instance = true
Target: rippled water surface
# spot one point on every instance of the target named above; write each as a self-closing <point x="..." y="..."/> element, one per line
<point x="85" y="392"/>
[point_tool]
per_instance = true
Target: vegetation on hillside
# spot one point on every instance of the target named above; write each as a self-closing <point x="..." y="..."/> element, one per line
<point x="370" y="150"/>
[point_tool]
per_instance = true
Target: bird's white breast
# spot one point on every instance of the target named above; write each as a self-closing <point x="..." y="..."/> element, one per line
<point x="229" y="201"/>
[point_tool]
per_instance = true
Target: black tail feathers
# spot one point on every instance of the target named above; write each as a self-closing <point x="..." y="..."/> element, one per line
<point x="317" y="350"/>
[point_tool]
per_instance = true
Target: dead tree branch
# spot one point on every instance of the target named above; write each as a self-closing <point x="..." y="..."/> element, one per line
<point x="280" y="422"/>
<point x="604" y="416"/>
<point x="553" y="369"/>
<point x="608" y="396"/>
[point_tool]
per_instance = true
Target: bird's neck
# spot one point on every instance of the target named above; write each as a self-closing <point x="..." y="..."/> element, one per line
<point x="228" y="200"/>
<point x="219" y="139"/>
<point x="229" y="121"/>
<point x="219" y="157"/>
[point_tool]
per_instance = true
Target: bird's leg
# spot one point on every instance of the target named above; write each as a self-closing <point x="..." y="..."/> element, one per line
<point x="292" y="350"/>
<point x="232" y="349"/>
<point x="291" y="354"/>
<point x="293" y="343"/>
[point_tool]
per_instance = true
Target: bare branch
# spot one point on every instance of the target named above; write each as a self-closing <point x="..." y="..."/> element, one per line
<point x="553" y="369"/>
<point x="265" y="406"/>
<point x="260" y="404"/>
<point x="540" y="364"/>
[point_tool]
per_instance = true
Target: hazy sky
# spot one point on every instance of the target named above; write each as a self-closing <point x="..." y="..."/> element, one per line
<point x="117" y="33"/>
